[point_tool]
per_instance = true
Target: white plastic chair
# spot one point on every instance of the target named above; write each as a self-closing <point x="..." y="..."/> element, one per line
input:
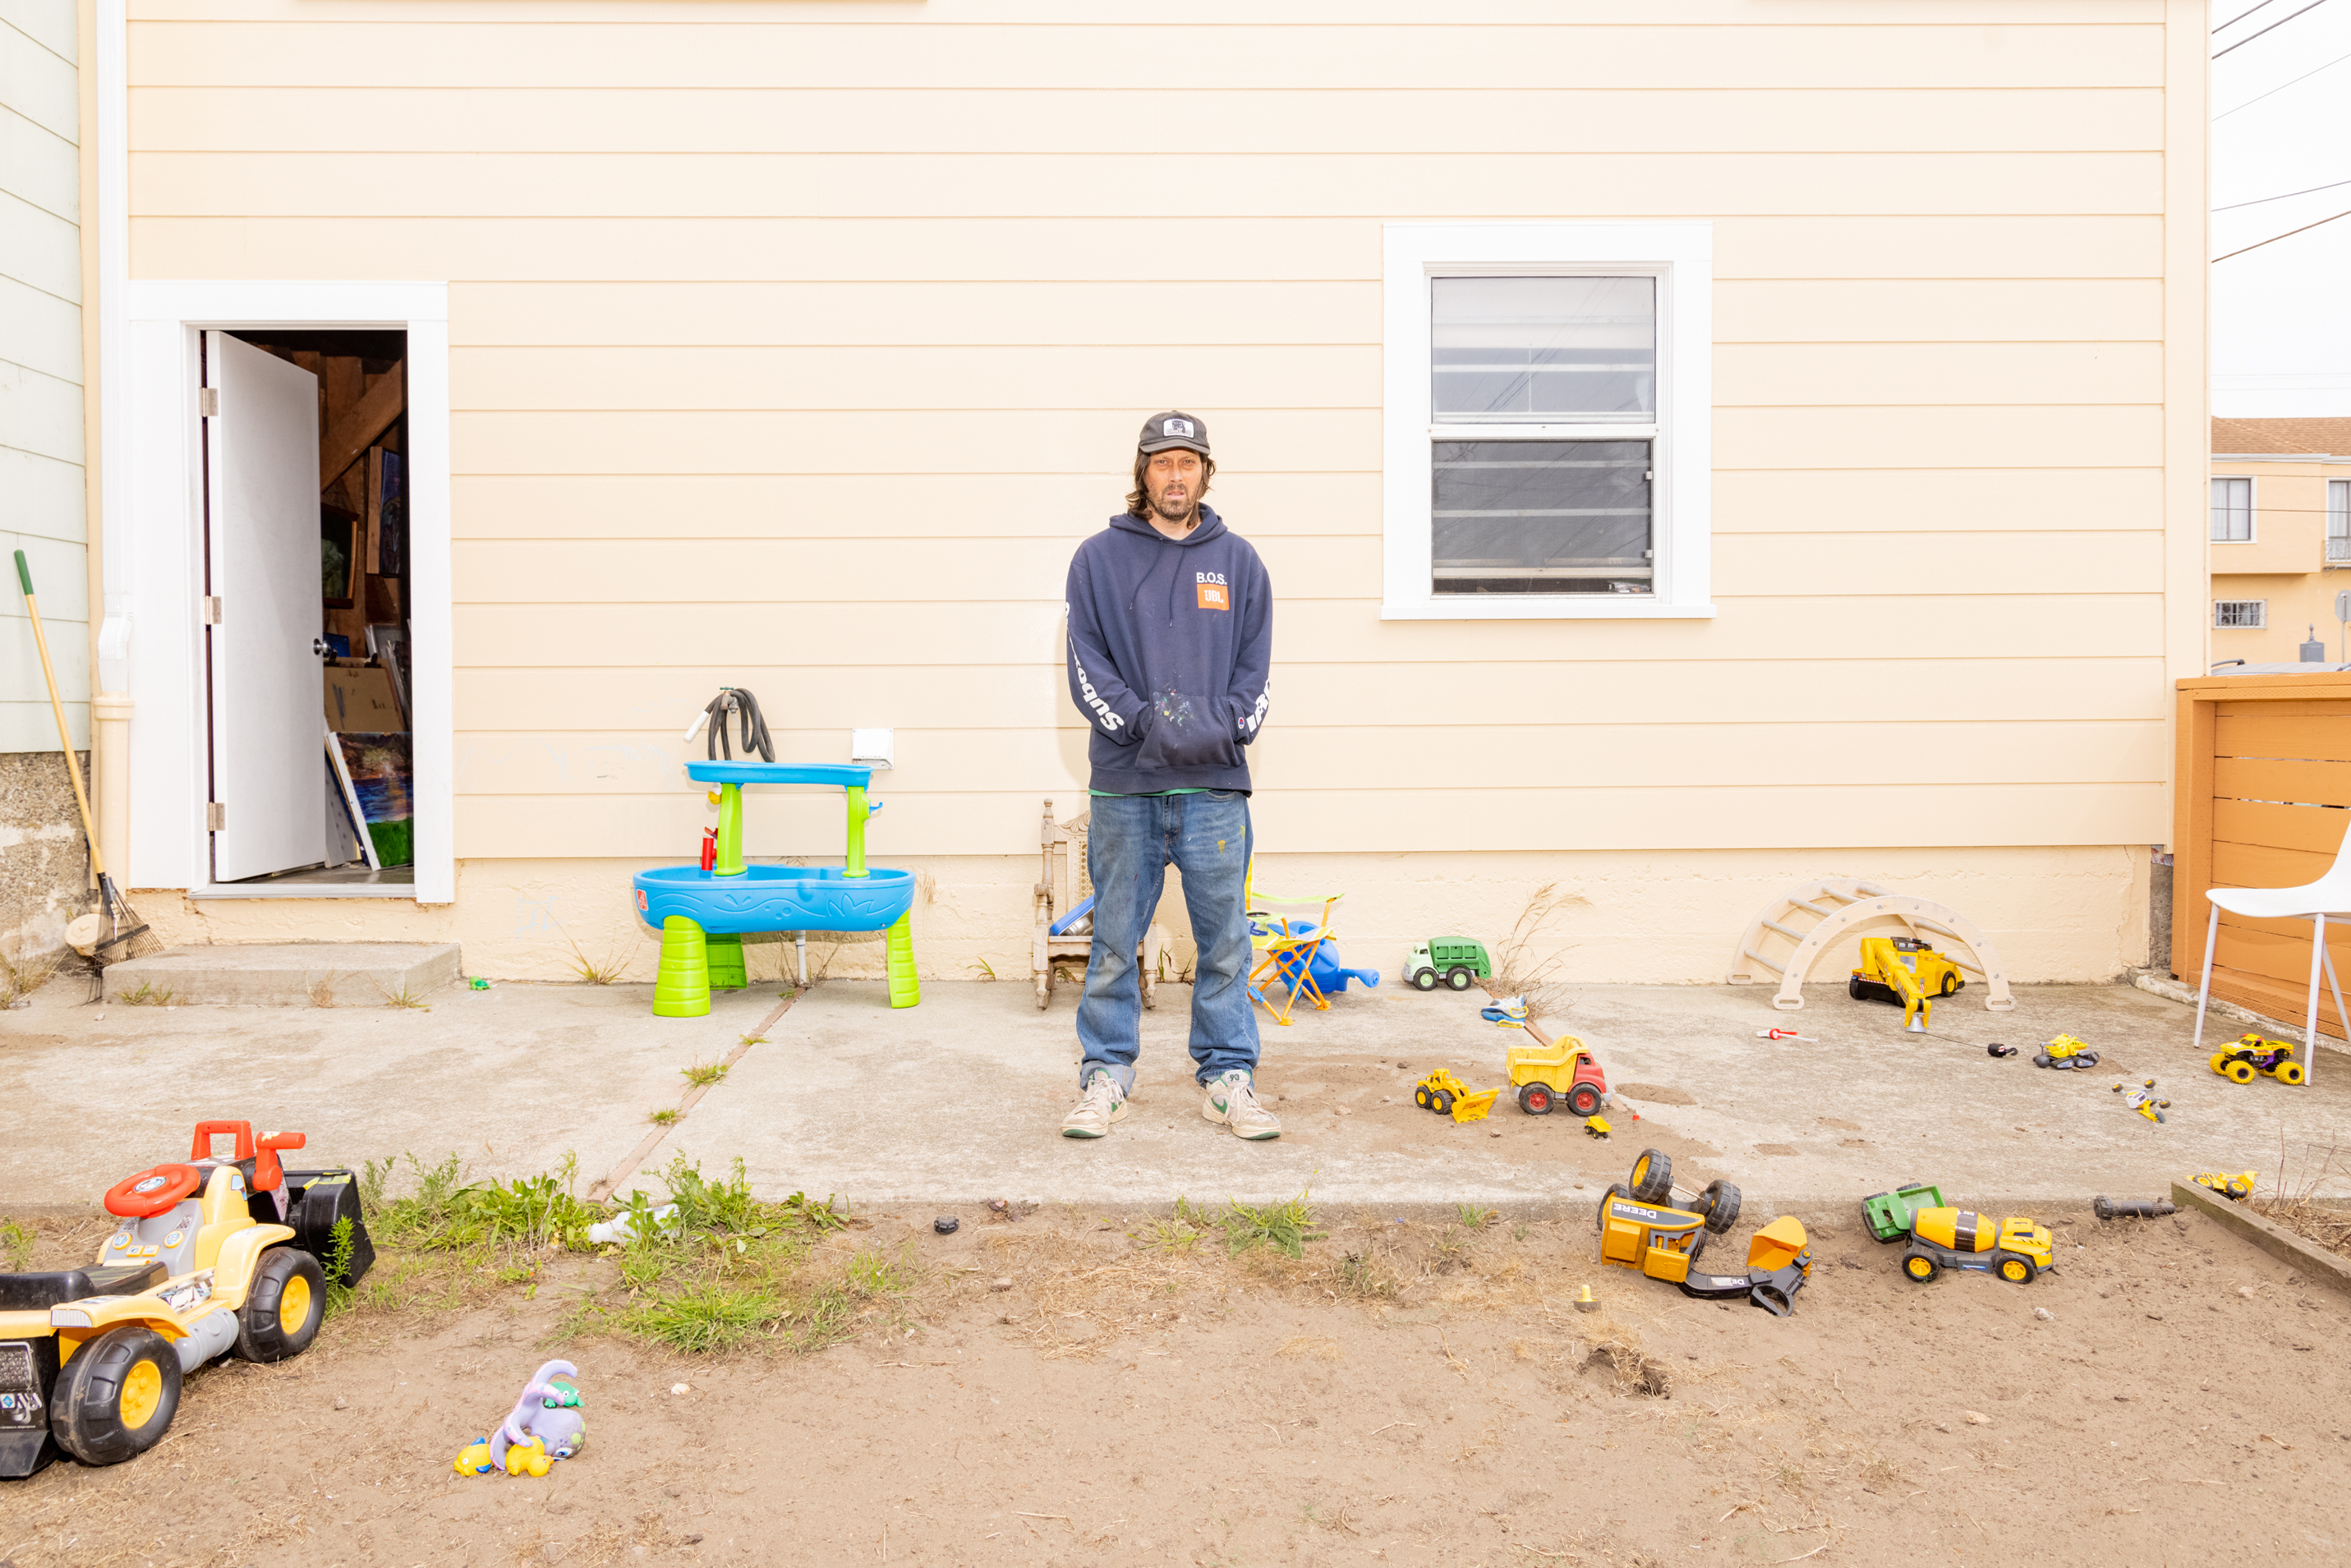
<point x="2313" y="902"/>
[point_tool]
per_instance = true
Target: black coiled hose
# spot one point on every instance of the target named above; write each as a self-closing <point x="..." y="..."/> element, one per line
<point x="749" y="721"/>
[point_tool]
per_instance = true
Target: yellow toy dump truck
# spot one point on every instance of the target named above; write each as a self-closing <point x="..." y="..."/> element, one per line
<point x="1555" y="1072"/>
<point x="208" y="1256"/>
<point x="1907" y="972"/>
<point x="2015" y="1249"/>
<point x="1640" y="1229"/>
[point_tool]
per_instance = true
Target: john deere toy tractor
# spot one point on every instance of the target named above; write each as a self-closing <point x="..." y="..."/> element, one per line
<point x="2015" y="1249"/>
<point x="210" y="1256"/>
<point x="1639" y="1230"/>
<point x="2241" y="1059"/>
<point x="1907" y="972"/>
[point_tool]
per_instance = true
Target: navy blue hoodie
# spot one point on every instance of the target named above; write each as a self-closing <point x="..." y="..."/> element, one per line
<point x="1169" y="645"/>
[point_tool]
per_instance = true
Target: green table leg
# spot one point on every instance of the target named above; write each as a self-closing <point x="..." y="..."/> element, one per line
<point x="905" y="985"/>
<point x="724" y="950"/>
<point x="681" y="984"/>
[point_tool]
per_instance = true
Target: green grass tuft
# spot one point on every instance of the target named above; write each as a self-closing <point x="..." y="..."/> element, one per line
<point x="700" y="1319"/>
<point x="1286" y="1227"/>
<point x="701" y="1074"/>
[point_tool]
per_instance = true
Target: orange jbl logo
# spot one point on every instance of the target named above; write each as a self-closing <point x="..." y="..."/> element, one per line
<point x="1212" y="596"/>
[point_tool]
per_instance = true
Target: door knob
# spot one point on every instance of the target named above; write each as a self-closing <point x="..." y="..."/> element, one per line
<point x="319" y="646"/>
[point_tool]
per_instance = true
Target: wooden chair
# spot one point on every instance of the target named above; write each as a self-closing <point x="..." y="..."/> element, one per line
<point x="1063" y="887"/>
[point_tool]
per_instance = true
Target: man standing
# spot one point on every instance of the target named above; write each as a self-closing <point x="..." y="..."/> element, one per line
<point x="1171" y="632"/>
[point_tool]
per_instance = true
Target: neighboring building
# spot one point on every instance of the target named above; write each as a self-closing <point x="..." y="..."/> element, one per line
<point x="44" y="869"/>
<point x="1695" y="455"/>
<point x="2281" y="537"/>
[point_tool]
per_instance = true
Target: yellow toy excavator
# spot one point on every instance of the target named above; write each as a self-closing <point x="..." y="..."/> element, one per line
<point x="1906" y="971"/>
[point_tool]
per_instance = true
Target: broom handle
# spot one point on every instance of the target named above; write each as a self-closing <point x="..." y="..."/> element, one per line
<point x="65" y="736"/>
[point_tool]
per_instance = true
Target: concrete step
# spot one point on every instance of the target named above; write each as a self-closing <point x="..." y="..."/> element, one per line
<point x="287" y="974"/>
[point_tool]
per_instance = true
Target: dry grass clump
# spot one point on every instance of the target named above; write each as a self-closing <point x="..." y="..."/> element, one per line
<point x="1079" y="1301"/>
<point x="20" y="978"/>
<point x="2303" y="1201"/>
<point x="1527" y="963"/>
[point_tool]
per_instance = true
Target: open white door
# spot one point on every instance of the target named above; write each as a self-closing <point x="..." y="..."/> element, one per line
<point x="261" y="510"/>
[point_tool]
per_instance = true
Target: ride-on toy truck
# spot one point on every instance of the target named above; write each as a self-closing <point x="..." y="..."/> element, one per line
<point x="1550" y="1072"/>
<point x="210" y="1255"/>
<point x="1640" y="1231"/>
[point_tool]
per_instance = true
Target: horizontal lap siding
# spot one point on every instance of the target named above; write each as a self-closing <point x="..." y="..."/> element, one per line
<point x="784" y="355"/>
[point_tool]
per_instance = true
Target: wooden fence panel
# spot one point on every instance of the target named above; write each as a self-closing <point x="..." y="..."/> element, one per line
<point x="2263" y="800"/>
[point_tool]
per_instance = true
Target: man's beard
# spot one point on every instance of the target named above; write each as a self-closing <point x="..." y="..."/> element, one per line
<point x="1175" y="511"/>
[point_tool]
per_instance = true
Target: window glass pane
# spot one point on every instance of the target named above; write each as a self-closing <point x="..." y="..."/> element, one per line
<point x="2338" y="520"/>
<point x="1542" y="516"/>
<point x="1543" y="350"/>
<point x="2232" y="510"/>
<point x="2240" y="614"/>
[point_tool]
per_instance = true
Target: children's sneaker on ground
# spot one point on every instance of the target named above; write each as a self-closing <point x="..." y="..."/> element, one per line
<point x="1232" y="1100"/>
<point x="1102" y="1104"/>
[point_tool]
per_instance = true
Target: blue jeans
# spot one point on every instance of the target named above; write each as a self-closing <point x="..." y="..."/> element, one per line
<point x="1129" y="845"/>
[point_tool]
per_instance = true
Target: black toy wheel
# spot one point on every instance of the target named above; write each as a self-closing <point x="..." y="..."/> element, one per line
<point x="1420" y="1096"/>
<point x="1719" y="1203"/>
<point x="2016" y="1270"/>
<point x="1615" y="1189"/>
<point x="1423" y="980"/>
<point x="1583" y="1100"/>
<point x="282" y="1312"/>
<point x="2042" y="1059"/>
<point x="1460" y="979"/>
<point x="1852" y="987"/>
<point x="1952" y="983"/>
<point x="1920" y="1267"/>
<point x="1534" y="1099"/>
<point x="116" y="1398"/>
<point x="1440" y="1102"/>
<point x="1652" y="1176"/>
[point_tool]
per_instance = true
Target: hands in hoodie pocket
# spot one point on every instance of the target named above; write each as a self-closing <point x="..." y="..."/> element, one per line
<point x="1187" y="733"/>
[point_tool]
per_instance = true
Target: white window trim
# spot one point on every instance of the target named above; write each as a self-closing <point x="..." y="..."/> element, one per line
<point x="1680" y="255"/>
<point x="2263" y="602"/>
<point x="2252" y="513"/>
<point x="155" y="573"/>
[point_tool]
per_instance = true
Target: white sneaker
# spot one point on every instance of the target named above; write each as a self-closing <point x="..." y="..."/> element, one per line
<point x="1232" y="1100"/>
<point x="1103" y="1103"/>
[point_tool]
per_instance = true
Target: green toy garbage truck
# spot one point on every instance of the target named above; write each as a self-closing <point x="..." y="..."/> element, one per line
<point x="1887" y="1215"/>
<point x="1458" y="961"/>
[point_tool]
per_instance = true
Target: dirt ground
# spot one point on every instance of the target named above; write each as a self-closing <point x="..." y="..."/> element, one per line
<point x="1057" y="1391"/>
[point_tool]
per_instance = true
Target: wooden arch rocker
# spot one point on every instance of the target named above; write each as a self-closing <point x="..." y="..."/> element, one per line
<point x="1832" y="909"/>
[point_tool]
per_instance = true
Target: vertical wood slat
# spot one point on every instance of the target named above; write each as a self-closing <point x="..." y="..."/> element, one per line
<point x="2293" y="726"/>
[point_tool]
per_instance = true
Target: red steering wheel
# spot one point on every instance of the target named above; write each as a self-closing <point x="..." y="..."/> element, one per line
<point x="152" y="1192"/>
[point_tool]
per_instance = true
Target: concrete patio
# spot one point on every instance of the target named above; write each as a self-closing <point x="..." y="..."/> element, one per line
<point x="958" y="1100"/>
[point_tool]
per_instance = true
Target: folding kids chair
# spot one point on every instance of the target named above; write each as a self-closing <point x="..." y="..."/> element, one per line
<point x="1286" y="938"/>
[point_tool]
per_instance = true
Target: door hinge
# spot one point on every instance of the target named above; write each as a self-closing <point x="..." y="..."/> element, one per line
<point x="212" y="612"/>
<point x="208" y="402"/>
<point x="215" y="817"/>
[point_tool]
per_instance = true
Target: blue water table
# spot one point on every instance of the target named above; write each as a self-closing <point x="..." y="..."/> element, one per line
<point x="703" y="912"/>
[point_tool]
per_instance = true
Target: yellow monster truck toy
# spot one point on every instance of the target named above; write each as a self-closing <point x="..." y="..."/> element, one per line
<point x="210" y="1255"/>
<point x="2244" y="1057"/>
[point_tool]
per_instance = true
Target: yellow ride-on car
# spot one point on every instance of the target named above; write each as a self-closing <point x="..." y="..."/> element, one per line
<point x="210" y="1255"/>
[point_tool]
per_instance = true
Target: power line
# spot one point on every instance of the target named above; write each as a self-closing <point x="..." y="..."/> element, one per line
<point x="2273" y="28"/>
<point x="2257" y="201"/>
<point x="2281" y="87"/>
<point x="2237" y="17"/>
<point x="2288" y="235"/>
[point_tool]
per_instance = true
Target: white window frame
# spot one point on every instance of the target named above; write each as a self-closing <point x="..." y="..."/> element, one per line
<point x="156" y="570"/>
<point x="2339" y="508"/>
<point x="2253" y="509"/>
<point x="2262" y="611"/>
<point x="1681" y="256"/>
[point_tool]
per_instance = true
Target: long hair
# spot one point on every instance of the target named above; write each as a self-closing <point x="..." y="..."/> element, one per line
<point x="1138" y="500"/>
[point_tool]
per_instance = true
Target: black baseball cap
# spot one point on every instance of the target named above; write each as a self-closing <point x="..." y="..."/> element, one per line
<point x="1162" y="431"/>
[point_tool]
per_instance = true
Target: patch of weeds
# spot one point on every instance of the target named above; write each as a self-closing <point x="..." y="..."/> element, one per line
<point x="700" y="1319"/>
<point x="1361" y="1276"/>
<point x="405" y="997"/>
<point x="1167" y="1236"/>
<point x="337" y="1262"/>
<point x="16" y="1240"/>
<point x="322" y="992"/>
<point x="703" y="1074"/>
<point x="725" y="1205"/>
<point x="446" y="1212"/>
<point x="18" y="980"/>
<point x="817" y="1215"/>
<point x="1519" y="1232"/>
<point x="664" y="1118"/>
<point x="750" y="1040"/>
<point x="1473" y="1217"/>
<point x="1286" y="1227"/>
<point x="599" y="972"/>
<point x="873" y="1274"/>
<point x="986" y="970"/>
<point x="145" y="995"/>
<point x="828" y="1317"/>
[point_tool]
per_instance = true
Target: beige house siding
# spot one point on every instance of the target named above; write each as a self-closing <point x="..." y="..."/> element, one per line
<point x="784" y="355"/>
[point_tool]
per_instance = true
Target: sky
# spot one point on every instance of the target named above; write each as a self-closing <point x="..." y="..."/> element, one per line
<point x="2282" y="314"/>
